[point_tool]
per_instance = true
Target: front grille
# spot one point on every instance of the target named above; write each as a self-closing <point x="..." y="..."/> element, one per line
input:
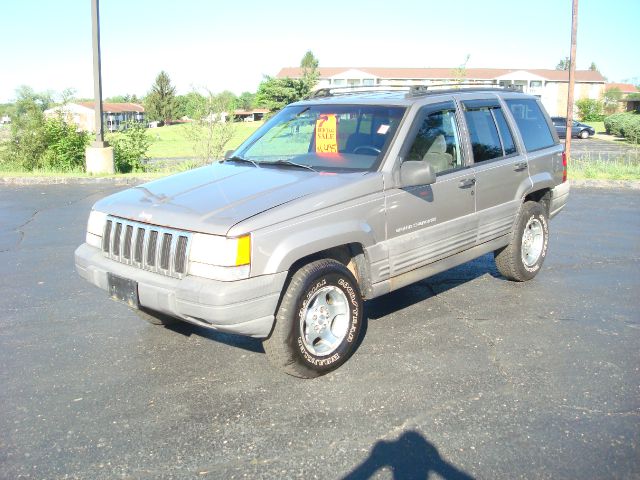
<point x="157" y="249"/>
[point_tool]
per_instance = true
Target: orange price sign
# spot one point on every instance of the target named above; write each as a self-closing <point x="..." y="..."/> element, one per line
<point x="327" y="134"/>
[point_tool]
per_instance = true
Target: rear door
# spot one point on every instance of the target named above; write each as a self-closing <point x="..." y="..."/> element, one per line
<point x="501" y="171"/>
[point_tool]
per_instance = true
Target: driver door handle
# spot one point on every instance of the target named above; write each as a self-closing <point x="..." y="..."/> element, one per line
<point x="518" y="167"/>
<point x="467" y="182"/>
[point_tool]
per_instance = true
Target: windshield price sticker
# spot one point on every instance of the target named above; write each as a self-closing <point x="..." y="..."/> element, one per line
<point x="327" y="134"/>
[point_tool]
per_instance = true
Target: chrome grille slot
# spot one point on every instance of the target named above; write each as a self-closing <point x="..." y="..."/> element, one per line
<point x="151" y="248"/>
<point x="106" y="237"/>
<point x="165" y="251"/>
<point x="128" y="236"/>
<point x="148" y="247"/>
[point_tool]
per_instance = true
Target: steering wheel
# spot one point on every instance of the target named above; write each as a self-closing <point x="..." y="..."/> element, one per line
<point x="370" y="148"/>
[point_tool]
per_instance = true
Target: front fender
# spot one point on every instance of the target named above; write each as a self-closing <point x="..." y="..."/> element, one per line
<point x="308" y="240"/>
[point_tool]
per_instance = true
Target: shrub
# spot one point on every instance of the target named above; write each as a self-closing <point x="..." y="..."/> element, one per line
<point x="130" y="148"/>
<point x="624" y="125"/>
<point x="36" y="142"/>
<point x="589" y="110"/>
<point x="65" y="146"/>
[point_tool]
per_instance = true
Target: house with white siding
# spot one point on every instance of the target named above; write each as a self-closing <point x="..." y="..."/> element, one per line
<point x="551" y="86"/>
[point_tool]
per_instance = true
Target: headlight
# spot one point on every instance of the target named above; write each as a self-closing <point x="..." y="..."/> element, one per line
<point x="95" y="227"/>
<point x="220" y="258"/>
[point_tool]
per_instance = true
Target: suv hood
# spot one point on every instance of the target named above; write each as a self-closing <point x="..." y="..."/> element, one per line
<point x="214" y="198"/>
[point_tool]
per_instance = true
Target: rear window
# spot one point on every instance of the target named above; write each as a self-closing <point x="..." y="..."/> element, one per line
<point x="531" y="123"/>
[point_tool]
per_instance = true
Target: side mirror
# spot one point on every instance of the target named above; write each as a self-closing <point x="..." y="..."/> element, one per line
<point x="414" y="173"/>
<point x="228" y="154"/>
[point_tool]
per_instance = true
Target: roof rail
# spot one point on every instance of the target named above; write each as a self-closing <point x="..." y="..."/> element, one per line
<point x="352" y="89"/>
<point x="412" y="90"/>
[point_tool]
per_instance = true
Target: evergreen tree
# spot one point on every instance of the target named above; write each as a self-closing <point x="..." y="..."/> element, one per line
<point x="160" y="103"/>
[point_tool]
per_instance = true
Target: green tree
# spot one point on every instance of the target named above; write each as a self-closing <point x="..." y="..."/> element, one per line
<point x="611" y="100"/>
<point x="276" y="93"/>
<point x="563" y="64"/>
<point x="310" y="73"/>
<point x="246" y="100"/>
<point x="160" y="103"/>
<point x="130" y="147"/>
<point x="212" y="127"/>
<point x="39" y="142"/>
<point x="593" y="67"/>
<point x="589" y="110"/>
<point x="460" y="73"/>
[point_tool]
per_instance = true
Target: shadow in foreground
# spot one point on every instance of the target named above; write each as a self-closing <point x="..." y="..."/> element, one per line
<point x="409" y="457"/>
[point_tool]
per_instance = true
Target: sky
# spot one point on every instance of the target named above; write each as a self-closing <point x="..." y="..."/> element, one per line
<point x="231" y="45"/>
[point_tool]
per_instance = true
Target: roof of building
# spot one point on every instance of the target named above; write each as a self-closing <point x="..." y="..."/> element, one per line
<point x="115" y="107"/>
<point x="623" y="87"/>
<point x="448" y="73"/>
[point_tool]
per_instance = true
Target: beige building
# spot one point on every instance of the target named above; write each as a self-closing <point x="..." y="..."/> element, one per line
<point x="114" y="115"/>
<point x="551" y="86"/>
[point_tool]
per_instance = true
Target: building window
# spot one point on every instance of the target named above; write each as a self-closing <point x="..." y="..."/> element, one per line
<point x="535" y="83"/>
<point x="338" y="81"/>
<point x="367" y="82"/>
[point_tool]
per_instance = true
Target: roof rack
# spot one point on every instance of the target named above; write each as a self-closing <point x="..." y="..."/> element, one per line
<point x="353" y="89"/>
<point x="412" y="90"/>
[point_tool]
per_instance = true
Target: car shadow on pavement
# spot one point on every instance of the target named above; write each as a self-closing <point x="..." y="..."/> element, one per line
<point x="424" y="289"/>
<point x="245" y="343"/>
<point x="409" y="457"/>
<point x="374" y="309"/>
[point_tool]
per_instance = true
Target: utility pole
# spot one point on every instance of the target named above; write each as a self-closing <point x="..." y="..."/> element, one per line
<point x="99" y="156"/>
<point x="97" y="74"/>
<point x="572" y="79"/>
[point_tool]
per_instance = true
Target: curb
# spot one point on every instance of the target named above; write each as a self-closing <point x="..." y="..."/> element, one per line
<point x="628" y="184"/>
<point x="75" y="180"/>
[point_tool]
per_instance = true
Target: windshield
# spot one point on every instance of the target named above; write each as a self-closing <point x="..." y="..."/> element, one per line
<point x="324" y="137"/>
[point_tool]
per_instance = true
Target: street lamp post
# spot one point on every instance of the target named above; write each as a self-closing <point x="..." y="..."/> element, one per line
<point x="99" y="156"/>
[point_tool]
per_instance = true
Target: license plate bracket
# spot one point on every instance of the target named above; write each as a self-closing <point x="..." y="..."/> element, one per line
<point x="123" y="290"/>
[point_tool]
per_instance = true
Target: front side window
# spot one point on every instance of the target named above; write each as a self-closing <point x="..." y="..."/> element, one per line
<point x="325" y="137"/>
<point x="437" y="140"/>
<point x="531" y="123"/>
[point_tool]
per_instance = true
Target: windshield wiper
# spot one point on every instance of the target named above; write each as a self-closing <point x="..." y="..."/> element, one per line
<point x="290" y="163"/>
<point x="235" y="158"/>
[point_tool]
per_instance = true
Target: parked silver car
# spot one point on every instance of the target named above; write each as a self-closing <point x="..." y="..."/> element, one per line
<point x="337" y="199"/>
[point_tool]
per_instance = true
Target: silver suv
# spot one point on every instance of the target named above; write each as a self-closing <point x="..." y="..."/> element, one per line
<point x="337" y="199"/>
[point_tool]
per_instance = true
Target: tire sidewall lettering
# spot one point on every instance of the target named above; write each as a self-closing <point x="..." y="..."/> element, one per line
<point x="354" y="322"/>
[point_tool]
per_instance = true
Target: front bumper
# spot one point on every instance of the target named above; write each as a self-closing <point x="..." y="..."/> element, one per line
<point x="245" y="307"/>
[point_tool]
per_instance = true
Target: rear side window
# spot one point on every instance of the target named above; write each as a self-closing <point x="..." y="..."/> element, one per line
<point x="488" y="130"/>
<point x="531" y="123"/>
<point x="485" y="141"/>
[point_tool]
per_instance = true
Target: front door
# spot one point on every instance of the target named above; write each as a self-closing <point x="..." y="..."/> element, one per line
<point x="427" y="223"/>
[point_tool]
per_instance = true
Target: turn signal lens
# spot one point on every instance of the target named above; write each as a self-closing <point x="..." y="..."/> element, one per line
<point x="243" y="256"/>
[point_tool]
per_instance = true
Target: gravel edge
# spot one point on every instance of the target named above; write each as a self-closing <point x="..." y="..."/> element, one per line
<point x="628" y="184"/>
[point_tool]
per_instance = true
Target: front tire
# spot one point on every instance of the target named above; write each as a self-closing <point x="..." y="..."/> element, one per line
<point x="522" y="258"/>
<point x="318" y="321"/>
<point x="584" y="134"/>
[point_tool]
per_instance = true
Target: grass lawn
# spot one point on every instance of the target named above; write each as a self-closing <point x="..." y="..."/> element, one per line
<point x="596" y="169"/>
<point x="171" y="141"/>
<point x="598" y="126"/>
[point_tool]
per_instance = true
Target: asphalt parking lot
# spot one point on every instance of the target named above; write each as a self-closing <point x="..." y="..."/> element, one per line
<point x="597" y="149"/>
<point x="465" y="375"/>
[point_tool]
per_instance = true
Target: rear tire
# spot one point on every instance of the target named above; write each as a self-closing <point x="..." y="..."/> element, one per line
<point x="522" y="258"/>
<point x="318" y="321"/>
